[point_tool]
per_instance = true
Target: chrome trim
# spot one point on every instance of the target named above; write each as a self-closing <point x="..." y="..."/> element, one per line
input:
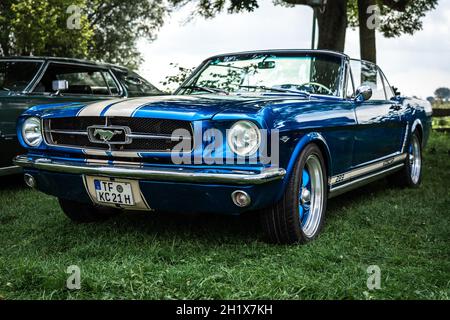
<point x="161" y="174"/>
<point x="128" y="134"/>
<point x="248" y="198"/>
<point x="415" y="160"/>
<point x="79" y="133"/>
<point x="154" y="136"/>
<point x="362" y="181"/>
<point x="316" y="201"/>
<point x="390" y="160"/>
<point x="405" y="138"/>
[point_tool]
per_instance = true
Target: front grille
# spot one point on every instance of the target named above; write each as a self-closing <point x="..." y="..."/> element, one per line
<point x="153" y="135"/>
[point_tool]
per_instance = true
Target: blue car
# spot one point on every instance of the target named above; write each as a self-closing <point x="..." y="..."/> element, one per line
<point x="278" y="132"/>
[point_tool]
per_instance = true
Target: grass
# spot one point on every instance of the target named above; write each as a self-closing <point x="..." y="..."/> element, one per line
<point x="406" y="232"/>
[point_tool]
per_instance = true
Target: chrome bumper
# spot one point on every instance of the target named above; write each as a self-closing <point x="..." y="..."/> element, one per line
<point x="160" y="174"/>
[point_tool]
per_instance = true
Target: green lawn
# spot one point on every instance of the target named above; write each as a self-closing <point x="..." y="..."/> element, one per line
<point x="405" y="232"/>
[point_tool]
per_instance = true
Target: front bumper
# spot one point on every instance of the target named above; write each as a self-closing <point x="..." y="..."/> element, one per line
<point x="163" y="189"/>
<point x="239" y="177"/>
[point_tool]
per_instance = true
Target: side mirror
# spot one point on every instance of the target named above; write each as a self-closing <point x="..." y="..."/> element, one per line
<point x="396" y="92"/>
<point x="58" y="85"/>
<point x="363" y="93"/>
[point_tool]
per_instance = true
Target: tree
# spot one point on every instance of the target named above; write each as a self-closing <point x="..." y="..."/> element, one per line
<point x="118" y="24"/>
<point x="174" y="81"/>
<point x="392" y="18"/>
<point x="334" y="16"/>
<point x="37" y="27"/>
<point x="102" y="30"/>
<point x="442" y="93"/>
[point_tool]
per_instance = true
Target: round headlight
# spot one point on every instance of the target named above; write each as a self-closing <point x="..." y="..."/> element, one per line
<point x="31" y="131"/>
<point x="244" y="138"/>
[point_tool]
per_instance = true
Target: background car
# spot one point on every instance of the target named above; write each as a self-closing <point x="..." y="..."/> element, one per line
<point x="28" y="81"/>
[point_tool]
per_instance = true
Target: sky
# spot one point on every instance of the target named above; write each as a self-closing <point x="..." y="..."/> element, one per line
<point x="416" y="64"/>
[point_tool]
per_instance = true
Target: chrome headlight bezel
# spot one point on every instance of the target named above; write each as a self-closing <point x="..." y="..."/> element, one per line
<point x="244" y="138"/>
<point x="32" y="131"/>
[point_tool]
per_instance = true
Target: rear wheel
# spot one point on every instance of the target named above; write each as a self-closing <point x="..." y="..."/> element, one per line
<point x="411" y="174"/>
<point x="299" y="215"/>
<point x="81" y="212"/>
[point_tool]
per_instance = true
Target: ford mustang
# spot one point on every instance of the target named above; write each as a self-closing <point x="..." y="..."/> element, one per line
<point x="278" y="132"/>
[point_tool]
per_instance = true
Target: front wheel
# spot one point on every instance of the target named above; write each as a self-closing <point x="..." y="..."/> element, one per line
<point x="298" y="217"/>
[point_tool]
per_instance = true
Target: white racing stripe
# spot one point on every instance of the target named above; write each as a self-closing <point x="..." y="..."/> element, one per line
<point x="94" y="109"/>
<point x="128" y="107"/>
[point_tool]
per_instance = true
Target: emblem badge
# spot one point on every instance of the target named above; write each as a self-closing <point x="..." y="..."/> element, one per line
<point x="109" y="135"/>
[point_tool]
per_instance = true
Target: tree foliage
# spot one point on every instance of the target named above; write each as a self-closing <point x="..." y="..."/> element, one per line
<point x="172" y="82"/>
<point x="442" y="93"/>
<point x="117" y="25"/>
<point x="395" y="17"/>
<point x="106" y="30"/>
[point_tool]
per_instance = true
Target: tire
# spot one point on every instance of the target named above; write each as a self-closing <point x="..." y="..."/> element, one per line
<point x="411" y="174"/>
<point x="82" y="213"/>
<point x="289" y="221"/>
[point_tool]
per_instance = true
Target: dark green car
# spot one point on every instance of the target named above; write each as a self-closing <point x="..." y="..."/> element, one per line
<point x="29" y="81"/>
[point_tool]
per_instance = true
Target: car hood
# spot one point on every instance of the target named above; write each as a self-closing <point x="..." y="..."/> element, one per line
<point x="198" y="107"/>
<point x="190" y="108"/>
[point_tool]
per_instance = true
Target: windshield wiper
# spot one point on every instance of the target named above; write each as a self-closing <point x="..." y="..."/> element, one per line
<point x="206" y="89"/>
<point x="304" y="93"/>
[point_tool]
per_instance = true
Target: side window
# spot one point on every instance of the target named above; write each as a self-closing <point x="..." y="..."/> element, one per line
<point x="367" y="74"/>
<point x="17" y="75"/>
<point x="82" y="80"/>
<point x="387" y="87"/>
<point x="137" y="86"/>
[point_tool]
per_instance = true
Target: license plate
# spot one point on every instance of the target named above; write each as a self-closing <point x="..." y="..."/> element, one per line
<point x="114" y="192"/>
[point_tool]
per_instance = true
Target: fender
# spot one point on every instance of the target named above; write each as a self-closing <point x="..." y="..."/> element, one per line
<point x="417" y="124"/>
<point x="304" y="141"/>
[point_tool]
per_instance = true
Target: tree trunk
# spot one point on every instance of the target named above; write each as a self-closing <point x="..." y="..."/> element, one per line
<point x="332" y="23"/>
<point x="367" y="39"/>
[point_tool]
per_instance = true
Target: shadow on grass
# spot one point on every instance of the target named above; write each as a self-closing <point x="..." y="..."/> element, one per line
<point x="222" y="228"/>
<point x="12" y="183"/>
<point x="358" y="195"/>
<point x="204" y="227"/>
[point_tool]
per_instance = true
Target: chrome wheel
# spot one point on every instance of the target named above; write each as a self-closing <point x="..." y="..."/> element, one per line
<point x="311" y="194"/>
<point x="415" y="159"/>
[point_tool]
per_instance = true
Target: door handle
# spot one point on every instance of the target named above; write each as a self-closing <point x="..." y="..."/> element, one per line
<point x="395" y="107"/>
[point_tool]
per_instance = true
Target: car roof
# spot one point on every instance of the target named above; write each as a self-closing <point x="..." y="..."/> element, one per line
<point x="286" y="51"/>
<point x="67" y="60"/>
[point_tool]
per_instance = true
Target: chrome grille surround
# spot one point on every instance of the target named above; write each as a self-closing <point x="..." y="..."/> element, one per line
<point x="142" y="134"/>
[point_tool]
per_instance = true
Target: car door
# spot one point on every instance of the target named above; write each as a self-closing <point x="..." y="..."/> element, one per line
<point x="378" y="130"/>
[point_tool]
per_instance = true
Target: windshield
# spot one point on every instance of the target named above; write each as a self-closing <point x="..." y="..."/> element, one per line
<point x="16" y="75"/>
<point x="304" y="73"/>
